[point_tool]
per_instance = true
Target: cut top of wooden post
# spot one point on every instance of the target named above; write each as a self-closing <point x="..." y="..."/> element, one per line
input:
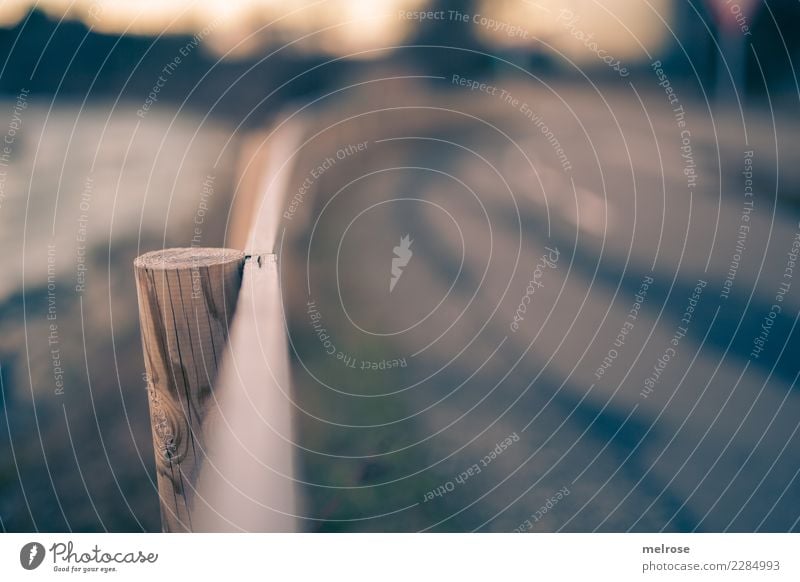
<point x="187" y="258"/>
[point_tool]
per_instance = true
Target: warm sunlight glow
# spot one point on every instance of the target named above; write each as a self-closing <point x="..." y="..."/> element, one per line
<point x="243" y="27"/>
<point x="580" y="29"/>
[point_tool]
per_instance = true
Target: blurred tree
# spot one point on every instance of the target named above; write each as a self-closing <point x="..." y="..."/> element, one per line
<point x="451" y="33"/>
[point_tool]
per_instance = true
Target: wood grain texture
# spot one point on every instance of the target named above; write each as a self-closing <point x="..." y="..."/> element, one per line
<point x="187" y="298"/>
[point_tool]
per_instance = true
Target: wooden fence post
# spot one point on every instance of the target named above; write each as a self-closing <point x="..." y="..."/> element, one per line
<point x="186" y="302"/>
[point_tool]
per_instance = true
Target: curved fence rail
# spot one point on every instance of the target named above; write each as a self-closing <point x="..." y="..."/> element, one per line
<point x="217" y="363"/>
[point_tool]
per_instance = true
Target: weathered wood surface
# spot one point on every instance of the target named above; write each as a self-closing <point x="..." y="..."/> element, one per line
<point x="186" y="300"/>
<point x="249" y="483"/>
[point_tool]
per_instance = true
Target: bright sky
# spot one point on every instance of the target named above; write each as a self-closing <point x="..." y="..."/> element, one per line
<point x="622" y="28"/>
